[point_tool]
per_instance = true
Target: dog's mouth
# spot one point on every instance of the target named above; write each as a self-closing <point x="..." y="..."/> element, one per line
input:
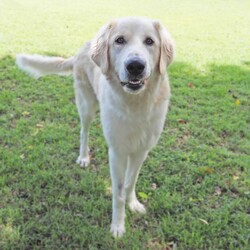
<point x="134" y="84"/>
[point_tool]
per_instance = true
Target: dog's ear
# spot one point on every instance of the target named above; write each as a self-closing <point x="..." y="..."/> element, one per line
<point x="100" y="47"/>
<point x="166" y="47"/>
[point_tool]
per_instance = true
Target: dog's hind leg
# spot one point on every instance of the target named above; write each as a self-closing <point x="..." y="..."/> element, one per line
<point x="134" y="165"/>
<point x="86" y="105"/>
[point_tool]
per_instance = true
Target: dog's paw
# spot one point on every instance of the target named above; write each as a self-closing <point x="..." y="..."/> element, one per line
<point x="83" y="161"/>
<point x="117" y="230"/>
<point x="136" y="206"/>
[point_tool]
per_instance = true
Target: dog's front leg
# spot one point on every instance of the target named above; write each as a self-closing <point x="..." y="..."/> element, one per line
<point x="135" y="161"/>
<point x="118" y="163"/>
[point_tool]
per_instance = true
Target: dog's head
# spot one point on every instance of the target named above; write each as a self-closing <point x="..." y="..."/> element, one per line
<point x="133" y="50"/>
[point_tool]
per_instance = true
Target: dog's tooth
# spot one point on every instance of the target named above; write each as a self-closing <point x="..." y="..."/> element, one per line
<point x="136" y="82"/>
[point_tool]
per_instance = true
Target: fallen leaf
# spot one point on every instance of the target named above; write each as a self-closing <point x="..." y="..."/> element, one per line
<point x="171" y="246"/>
<point x="215" y="205"/>
<point x="234" y="192"/>
<point x="143" y="195"/>
<point x="39" y="125"/>
<point x="183" y="138"/>
<point x="22" y="156"/>
<point x="205" y="170"/>
<point x="217" y="191"/>
<point x="153" y="186"/>
<point x="235" y="177"/>
<point x="191" y="85"/>
<point x="154" y="244"/>
<point x="209" y="170"/>
<point x="198" y="180"/>
<point x="26" y="113"/>
<point x="182" y="121"/>
<point x="204" y="221"/>
<point x="237" y="102"/>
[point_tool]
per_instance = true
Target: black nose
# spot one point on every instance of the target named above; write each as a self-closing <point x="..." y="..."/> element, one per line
<point x="135" y="67"/>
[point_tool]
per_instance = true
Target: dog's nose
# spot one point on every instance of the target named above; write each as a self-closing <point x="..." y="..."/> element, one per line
<point x="135" y="67"/>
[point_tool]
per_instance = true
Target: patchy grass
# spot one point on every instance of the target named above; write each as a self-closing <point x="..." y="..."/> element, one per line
<point x="195" y="183"/>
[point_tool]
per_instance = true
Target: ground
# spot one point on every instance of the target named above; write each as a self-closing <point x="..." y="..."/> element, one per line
<point x="195" y="183"/>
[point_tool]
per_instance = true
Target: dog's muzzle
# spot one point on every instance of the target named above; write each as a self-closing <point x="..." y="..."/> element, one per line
<point x="133" y="84"/>
<point x="135" y="68"/>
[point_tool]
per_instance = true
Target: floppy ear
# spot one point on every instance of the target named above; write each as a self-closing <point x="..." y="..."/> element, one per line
<point x="166" y="47"/>
<point x="100" y="48"/>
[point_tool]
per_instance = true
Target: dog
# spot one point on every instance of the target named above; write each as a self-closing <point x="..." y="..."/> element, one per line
<point x="124" y="70"/>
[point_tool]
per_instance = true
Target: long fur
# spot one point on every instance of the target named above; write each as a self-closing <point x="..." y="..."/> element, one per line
<point x="132" y="119"/>
<point x="37" y="65"/>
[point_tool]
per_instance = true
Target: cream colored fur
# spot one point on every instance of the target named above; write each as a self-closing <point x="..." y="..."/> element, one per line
<point x="132" y="118"/>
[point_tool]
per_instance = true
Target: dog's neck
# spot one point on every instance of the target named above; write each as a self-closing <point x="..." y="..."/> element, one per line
<point x="154" y="94"/>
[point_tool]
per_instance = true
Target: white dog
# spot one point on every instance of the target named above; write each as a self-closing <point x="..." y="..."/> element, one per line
<point x="124" y="70"/>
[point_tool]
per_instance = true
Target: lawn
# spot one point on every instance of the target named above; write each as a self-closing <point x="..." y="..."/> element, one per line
<point x="195" y="182"/>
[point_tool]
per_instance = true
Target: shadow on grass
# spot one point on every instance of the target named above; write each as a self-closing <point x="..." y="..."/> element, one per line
<point x="47" y="201"/>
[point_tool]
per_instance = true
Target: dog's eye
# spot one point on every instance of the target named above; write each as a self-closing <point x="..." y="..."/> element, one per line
<point x="149" y="41"/>
<point x="120" y="40"/>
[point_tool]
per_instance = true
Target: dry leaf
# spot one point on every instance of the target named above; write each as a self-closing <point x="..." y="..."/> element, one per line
<point x="39" y="125"/>
<point x="235" y="177"/>
<point x="26" y="113"/>
<point x="109" y="190"/>
<point x="237" y="102"/>
<point x="204" y="221"/>
<point x="209" y="170"/>
<point x="217" y="191"/>
<point x="154" y="244"/>
<point x="205" y="170"/>
<point x="234" y="192"/>
<point x="183" y="138"/>
<point x="182" y="121"/>
<point x="190" y="85"/>
<point x="171" y="246"/>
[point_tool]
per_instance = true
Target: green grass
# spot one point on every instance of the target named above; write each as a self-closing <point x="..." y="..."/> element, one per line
<point x="195" y="183"/>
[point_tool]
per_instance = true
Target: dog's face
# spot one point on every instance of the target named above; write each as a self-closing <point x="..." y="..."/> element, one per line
<point x="132" y="50"/>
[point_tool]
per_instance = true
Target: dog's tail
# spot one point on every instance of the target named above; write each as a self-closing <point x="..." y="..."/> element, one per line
<point x="37" y="65"/>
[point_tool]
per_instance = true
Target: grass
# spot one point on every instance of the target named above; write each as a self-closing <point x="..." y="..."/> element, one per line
<point x="195" y="183"/>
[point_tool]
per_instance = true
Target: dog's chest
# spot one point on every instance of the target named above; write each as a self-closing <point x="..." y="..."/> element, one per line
<point x="129" y="130"/>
